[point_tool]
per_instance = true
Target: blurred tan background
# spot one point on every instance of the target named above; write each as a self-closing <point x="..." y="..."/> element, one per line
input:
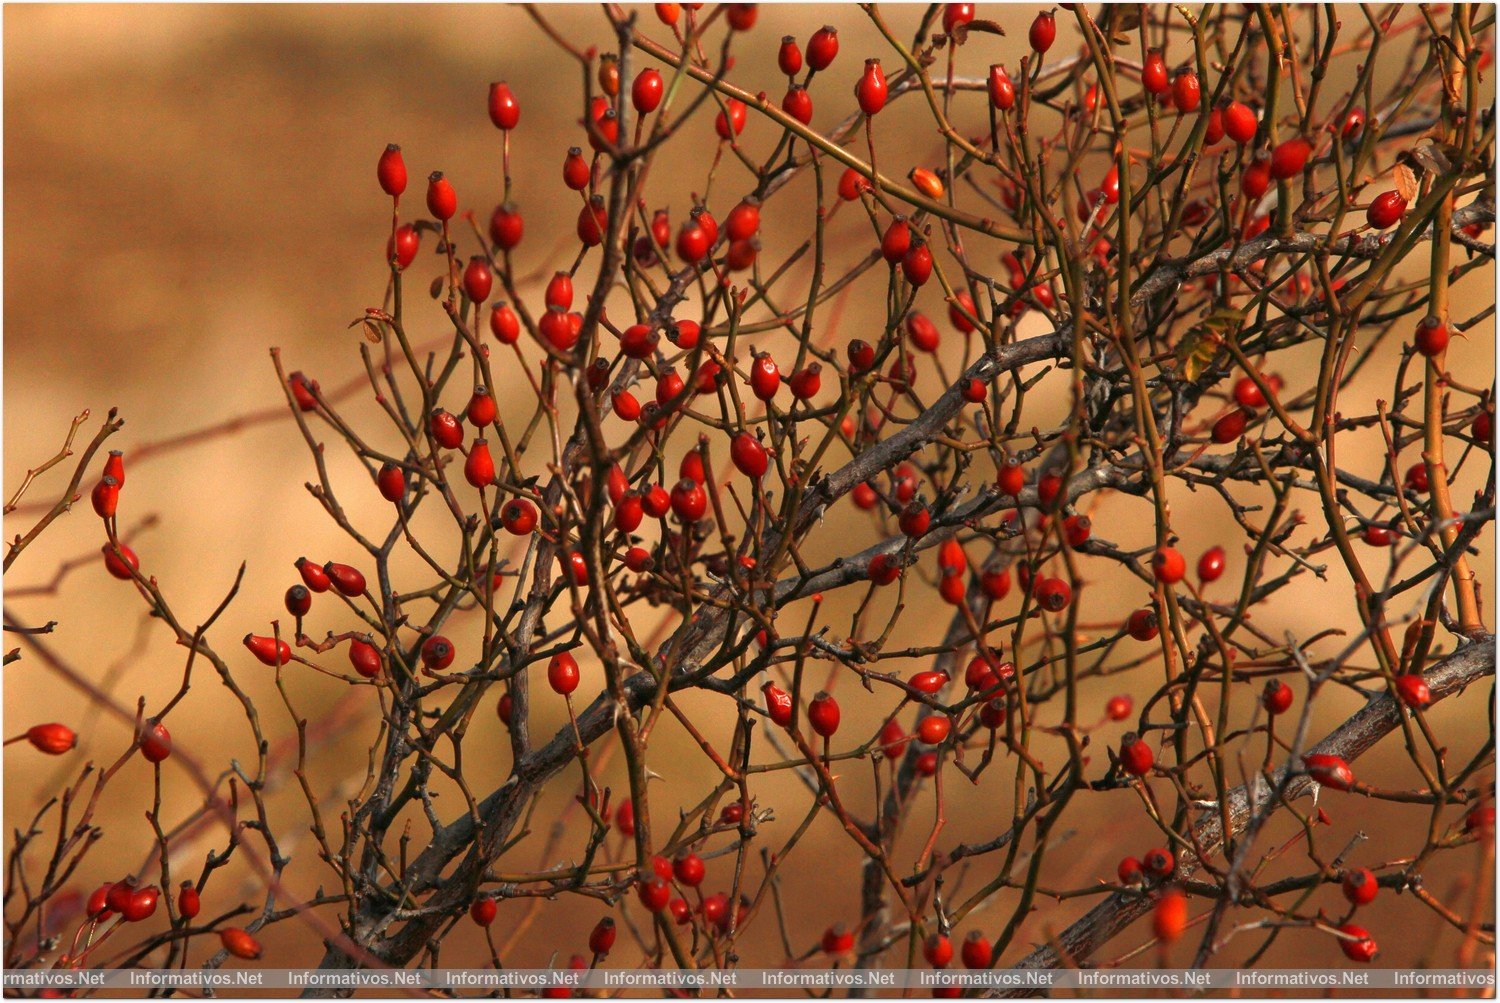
<point x="188" y="186"/>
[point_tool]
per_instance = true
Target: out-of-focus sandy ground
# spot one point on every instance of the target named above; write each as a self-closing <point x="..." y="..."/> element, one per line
<point x="187" y="186"/>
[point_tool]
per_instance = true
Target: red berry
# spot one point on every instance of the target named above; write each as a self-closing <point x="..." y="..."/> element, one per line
<point x="1053" y="594"/>
<point x="576" y="172"/>
<point x="917" y="265"/>
<point x="106" y="497"/>
<point x="961" y="310"/>
<point x="1002" y="90"/>
<point x="927" y="764"/>
<point x="479" y="466"/>
<point x="506" y="226"/>
<point x="442" y="200"/>
<point x="654" y="893"/>
<point x="392" y="482"/>
<point x="1417" y="478"/>
<point x="446" y="429"/>
<point x="298" y="600"/>
<point x="689" y="500"/>
<point x="789" y="56"/>
<point x="1136" y="757"/>
<point x="915" y="520"/>
<point x="896" y="240"/>
<point x="882" y="570"/>
<point x="114" y="467"/>
<point x="1143" y="625"/>
<point x="1414" y="691"/>
<point x="482" y="911"/>
<point x="478" y="279"/>
<point x="1256" y="179"/>
<point x="313" y="576"/>
<point x="778" y="704"/>
<point x="688" y="868"/>
<point x="749" y="455"/>
<point x="798" y="103"/>
<point x="437" y="652"/>
<point x="1077" y="529"/>
<point x="1289" y="158"/>
<point x="1359" y="886"/>
<point x="402" y="246"/>
<point x="1385" y="212"/>
<point x="364" y="657"/>
<point x="390" y="171"/>
<point x="156" y="743"/>
<point x="562" y="673"/>
<point x="692" y="243"/>
<point x="647" y="91"/>
<point x="934" y="728"/>
<point x="822" y="47"/>
<point x="1276" y="698"/>
<point x="871" y="89"/>
<point x="593" y="220"/>
<point x="505" y="111"/>
<point x="742" y="16"/>
<point x="349" y="581"/>
<point x="837" y="940"/>
<point x="481" y="410"/>
<point x="304" y="391"/>
<point x="1357" y="944"/>
<point x="657" y="502"/>
<point x="743" y="220"/>
<point x="823" y="714"/>
<point x="188" y="902"/>
<point x="269" y="650"/>
<point x="1354" y="124"/>
<point x="1154" y="73"/>
<point x="1158" y="863"/>
<point x="602" y="938"/>
<point x="1330" y="771"/>
<point x="1432" y="337"/>
<point x="1186" y="91"/>
<point x="504" y="324"/>
<point x="1170" y="915"/>
<point x="1011" y="477"/>
<point x="1483" y="428"/>
<point x="731" y="121"/>
<point x="1211" y="564"/>
<point x="955" y="14"/>
<point x="1168" y="566"/>
<point x="938" y="950"/>
<point x="1379" y="536"/>
<point x="1230" y="427"/>
<point x="142" y="904"/>
<point x="53" y="739"/>
<point x="1247" y="394"/>
<point x="1118" y="708"/>
<point x="518" y="516"/>
<point x="765" y="378"/>
<point x="995" y="582"/>
<point x="240" y="944"/>
<point x="852" y="183"/>
<point x="1048" y="490"/>
<point x="806" y="382"/>
<point x="1043" y="32"/>
<point x="1128" y="870"/>
<point x="976" y="951"/>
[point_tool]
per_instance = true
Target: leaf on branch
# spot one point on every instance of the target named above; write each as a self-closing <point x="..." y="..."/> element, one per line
<point x="436" y="289"/>
<point x="1431" y="156"/>
<point x="1406" y="182"/>
<point x="372" y="333"/>
<point x="961" y="31"/>
<point x="1200" y="347"/>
